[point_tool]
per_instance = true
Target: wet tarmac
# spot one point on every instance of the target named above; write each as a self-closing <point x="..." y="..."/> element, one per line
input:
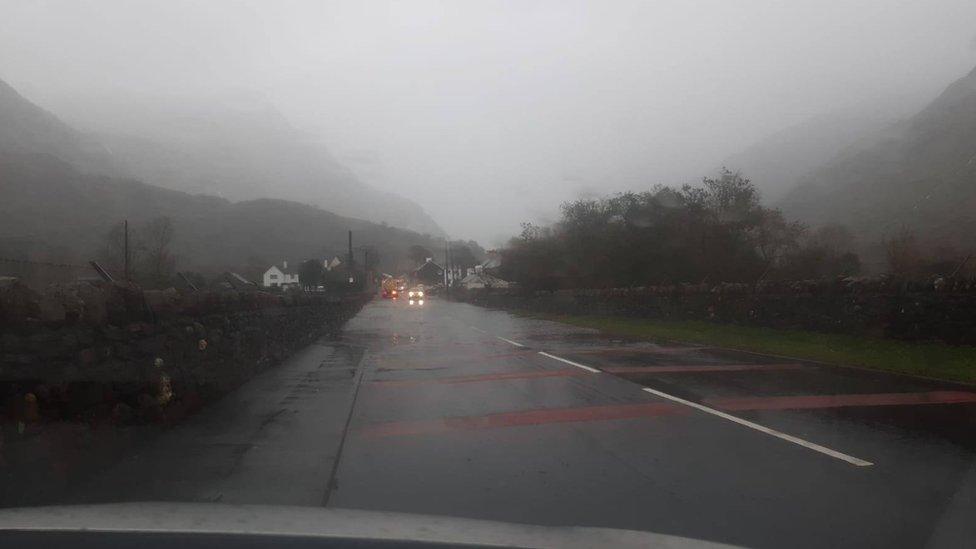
<point x="459" y="414"/>
<point x="450" y="409"/>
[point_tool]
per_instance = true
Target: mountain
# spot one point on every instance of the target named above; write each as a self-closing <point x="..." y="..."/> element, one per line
<point x="26" y="128"/>
<point x="53" y="211"/>
<point x="778" y="162"/>
<point x="921" y="176"/>
<point x="238" y="147"/>
<point x="57" y="205"/>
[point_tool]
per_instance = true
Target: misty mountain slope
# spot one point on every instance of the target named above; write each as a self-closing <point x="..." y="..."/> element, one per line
<point x="53" y="206"/>
<point x="54" y="211"/>
<point x="922" y="177"/>
<point x="240" y="148"/>
<point x="26" y="128"/>
<point x="777" y="163"/>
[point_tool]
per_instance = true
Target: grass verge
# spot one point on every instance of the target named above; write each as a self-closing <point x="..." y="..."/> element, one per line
<point x="932" y="360"/>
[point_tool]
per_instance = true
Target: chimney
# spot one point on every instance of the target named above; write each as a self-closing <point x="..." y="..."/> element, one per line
<point x="284" y="264"/>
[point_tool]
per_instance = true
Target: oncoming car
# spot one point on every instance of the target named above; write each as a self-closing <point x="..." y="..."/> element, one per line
<point x="416" y="295"/>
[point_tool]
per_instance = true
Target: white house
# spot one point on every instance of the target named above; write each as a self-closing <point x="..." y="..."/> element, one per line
<point x="331" y="264"/>
<point x="280" y="276"/>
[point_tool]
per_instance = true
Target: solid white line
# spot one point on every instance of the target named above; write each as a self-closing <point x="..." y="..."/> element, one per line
<point x="789" y="438"/>
<point x="516" y="343"/>
<point x="570" y="362"/>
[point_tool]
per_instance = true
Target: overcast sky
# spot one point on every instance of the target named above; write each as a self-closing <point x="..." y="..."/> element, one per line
<point x="490" y="113"/>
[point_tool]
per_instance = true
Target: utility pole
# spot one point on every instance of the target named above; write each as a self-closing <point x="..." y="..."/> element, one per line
<point x="125" y="259"/>
<point x="365" y="266"/>
<point x="351" y="259"/>
<point x="453" y="274"/>
<point x="446" y="244"/>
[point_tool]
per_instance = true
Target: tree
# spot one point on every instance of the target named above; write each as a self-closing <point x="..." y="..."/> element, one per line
<point x="717" y="231"/>
<point x="154" y="242"/>
<point x="112" y="254"/>
<point x="774" y="236"/>
<point x="311" y="274"/>
<point x="903" y="253"/>
<point x="731" y="197"/>
<point x="836" y="238"/>
<point x="418" y="254"/>
<point x="826" y="252"/>
<point x="462" y="257"/>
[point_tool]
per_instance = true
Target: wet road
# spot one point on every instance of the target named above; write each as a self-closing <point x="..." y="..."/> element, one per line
<point x="450" y="409"/>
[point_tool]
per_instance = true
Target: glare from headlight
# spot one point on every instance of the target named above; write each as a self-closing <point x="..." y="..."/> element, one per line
<point x="411" y="302"/>
<point x="421" y="302"/>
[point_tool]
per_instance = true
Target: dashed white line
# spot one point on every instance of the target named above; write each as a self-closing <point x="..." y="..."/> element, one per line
<point x="516" y="343"/>
<point x="509" y="341"/>
<point x="772" y="432"/>
<point x="570" y="362"/>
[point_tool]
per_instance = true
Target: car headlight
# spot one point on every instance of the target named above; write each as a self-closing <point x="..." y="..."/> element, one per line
<point x="411" y="302"/>
<point x="420" y="294"/>
<point x="421" y="302"/>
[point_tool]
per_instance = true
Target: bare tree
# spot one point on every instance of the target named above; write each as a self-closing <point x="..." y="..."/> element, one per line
<point x="112" y="253"/>
<point x="418" y="254"/>
<point x="156" y="239"/>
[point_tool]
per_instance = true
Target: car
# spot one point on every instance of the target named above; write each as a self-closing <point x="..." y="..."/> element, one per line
<point x="415" y="295"/>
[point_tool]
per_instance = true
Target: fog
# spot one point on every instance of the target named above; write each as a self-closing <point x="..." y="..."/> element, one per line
<point x="492" y="113"/>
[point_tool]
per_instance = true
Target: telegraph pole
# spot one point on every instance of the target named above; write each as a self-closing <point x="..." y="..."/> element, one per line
<point x="365" y="266"/>
<point x="453" y="277"/>
<point x="351" y="259"/>
<point x="125" y="259"/>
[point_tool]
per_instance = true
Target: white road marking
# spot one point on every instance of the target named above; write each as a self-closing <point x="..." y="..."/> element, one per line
<point x="516" y="343"/>
<point x="746" y="423"/>
<point x="570" y="362"/>
<point x="789" y="438"/>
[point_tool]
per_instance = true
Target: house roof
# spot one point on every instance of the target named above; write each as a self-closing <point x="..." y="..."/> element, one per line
<point x="237" y="280"/>
<point x="486" y="279"/>
<point x="426" y="266"/>
<point x="491" y="263"/>
<point x="291" y="270"/>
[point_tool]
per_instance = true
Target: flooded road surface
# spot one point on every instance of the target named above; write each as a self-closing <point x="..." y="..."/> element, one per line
<point x="450" y="409"/>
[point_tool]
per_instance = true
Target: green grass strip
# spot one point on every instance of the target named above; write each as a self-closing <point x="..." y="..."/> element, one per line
<point x="934" y="360"/>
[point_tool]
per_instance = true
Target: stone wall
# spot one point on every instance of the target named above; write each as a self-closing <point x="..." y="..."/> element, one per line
<point x="940" y="310"/>
<point x="114" y="350"/>
<point x="96" y="360"/>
